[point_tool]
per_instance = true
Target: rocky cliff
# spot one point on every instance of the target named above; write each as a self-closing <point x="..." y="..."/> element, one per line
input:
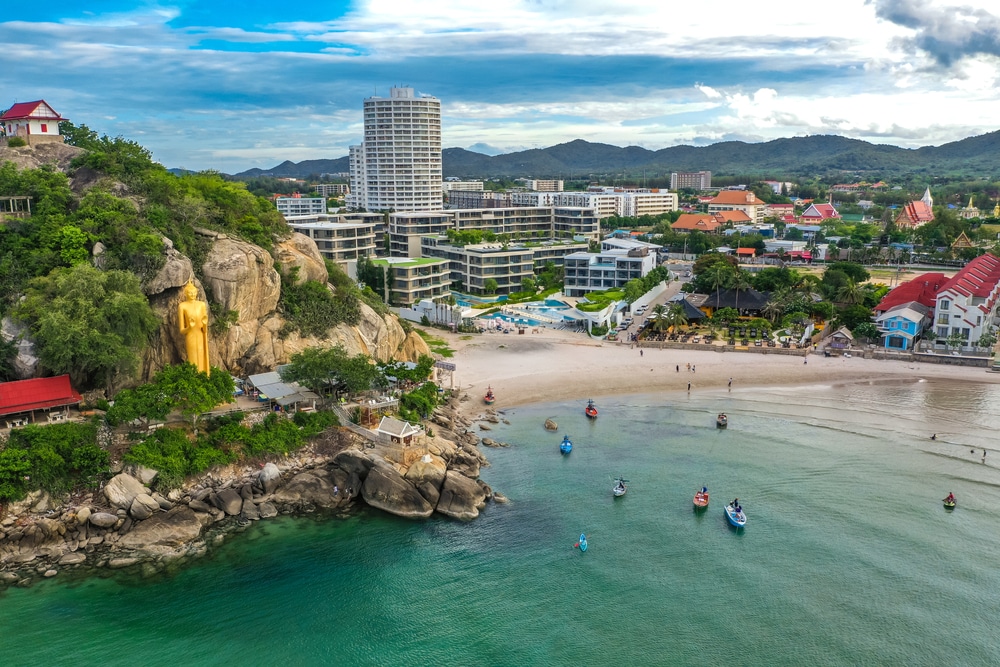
<point x="242" y="277"/>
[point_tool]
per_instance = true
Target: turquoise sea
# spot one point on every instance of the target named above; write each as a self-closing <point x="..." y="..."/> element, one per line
<point x="848" y="557"/>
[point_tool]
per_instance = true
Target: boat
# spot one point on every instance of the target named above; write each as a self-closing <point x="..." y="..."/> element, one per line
<point x="736" y="516"/>
<point x="591" y="409"/>
<point x="582" y="543"/>
<point x="565" y="446"/>
<point x="489" y="398"/>
<point x="949" y="502"/>
<point x="722" y="421"/>
<point x="620" y="487"/>
<point x="701" y="498"/>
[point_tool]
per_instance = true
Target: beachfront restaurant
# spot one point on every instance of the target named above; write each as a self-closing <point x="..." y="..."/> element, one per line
<point x="20" y="399"/>
<point x="289" y="396"/>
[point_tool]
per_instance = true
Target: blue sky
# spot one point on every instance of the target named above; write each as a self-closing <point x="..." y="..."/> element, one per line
<point x="205" y="85"/>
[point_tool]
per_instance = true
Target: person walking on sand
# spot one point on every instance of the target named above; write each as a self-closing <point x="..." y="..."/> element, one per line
<point x="689" y="389"/>
<point x="689" y="366"/>
<point x="640" y="352"/>
<point x="678" y="368"/>
<point x="730" y="383"/>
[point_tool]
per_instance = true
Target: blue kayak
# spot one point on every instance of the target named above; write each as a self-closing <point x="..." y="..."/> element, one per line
<point x="566" y="446"/>
<point x="736" y="517"/>
<point x="583" y="542"/>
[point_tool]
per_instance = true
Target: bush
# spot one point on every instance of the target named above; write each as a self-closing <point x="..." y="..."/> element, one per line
<point x="56" y="458"/>
<point x="16" y="142"/>
<point x="314" y="423"/>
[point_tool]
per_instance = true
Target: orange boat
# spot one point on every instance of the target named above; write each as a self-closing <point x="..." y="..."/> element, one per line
<point x="591" y="410"/>
<point x="489" y="397"/>
<point x="701" y="498"/>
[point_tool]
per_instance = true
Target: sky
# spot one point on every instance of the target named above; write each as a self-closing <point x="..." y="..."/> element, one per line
<point x="230" y="86"/>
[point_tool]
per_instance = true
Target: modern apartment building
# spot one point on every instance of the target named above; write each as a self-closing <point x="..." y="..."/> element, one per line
<point x="338" y="240"/>
<point x="300" y="205"/>
<point x="471" y="186"/>
<point x="590" y="271"/>
<point x="621" y="202"/>
<point x="508" y="264"/>
<point x="478" y="199"/>
<point x="398" y="165"/>
<point x="472" y="265"/>
<point x="332" y="189"/>
<point x="406" y="229"/>
<point x="406" y="281"/>
<point x="533" y="198"/>
<point x="544" y="186"/>
<point x="691" y="180"/>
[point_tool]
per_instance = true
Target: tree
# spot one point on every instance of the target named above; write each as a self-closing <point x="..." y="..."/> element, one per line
<point x="490" y="286"/>
<point x="851" y="293"/>
<point x="676" y="315"/>
<point x="91" y="324"/>
<point x="726" y="315"/>
<point x="955" y="340"/>
<point x="741" y="281"/>
<point x="528" y="285"/>
<point x="319" y="368"/>
<point x="987" y="340"/>
<point x="192" y="392"/>
<point x="866" y="330"/>
<point x="662" y="322"/>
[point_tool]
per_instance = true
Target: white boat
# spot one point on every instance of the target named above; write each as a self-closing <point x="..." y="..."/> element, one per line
<point x="620" y="487"/>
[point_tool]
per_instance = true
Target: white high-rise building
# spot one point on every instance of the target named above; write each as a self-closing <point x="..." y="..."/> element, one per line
<point x="398" y="165"/>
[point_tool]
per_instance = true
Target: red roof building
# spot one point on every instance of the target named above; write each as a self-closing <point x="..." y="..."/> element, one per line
<point x="818" y="213"/>
<point x="35" y="122"/>
<point x="967" y="304"/>
<point x="689" y="222"/>
<point x="923" y="289"/>
<point x="914" y="214"/>
<point x="37" y="394"/>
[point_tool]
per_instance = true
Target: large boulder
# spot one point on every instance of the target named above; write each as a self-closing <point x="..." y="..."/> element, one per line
<point x="25" y="362"/>
<point x="386" y="489"/>
<point x="300" y="251"/>
<point x="353" y="461"/>
<point x="163" y="533"/>
<point x="461" y="497"/>
<point x="103" y="519"/>
<point x="467" y="462"/>
<point x="427" y="475"/>
<point x="268" y="478"/>
<point x="143" y="507"/>
<point x="229" y="501"/>
<point x="122" y="490"/>
<point x="313" y="488"/>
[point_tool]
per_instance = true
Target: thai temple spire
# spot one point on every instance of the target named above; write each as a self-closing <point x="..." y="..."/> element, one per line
<point x="927" y="199"/>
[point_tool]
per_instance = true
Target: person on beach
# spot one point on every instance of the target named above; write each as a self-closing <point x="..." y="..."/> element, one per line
<point x="689" y="366"/>
<point x="692" y="369"/>
<point x="689" y="389"/>
<point x="934" y="437"/>
<point x="640" y="353"/>
<point x="678" y="368"/>
<point x="730" y="383"/>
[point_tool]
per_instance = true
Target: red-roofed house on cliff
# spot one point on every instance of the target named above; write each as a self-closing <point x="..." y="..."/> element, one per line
<point x="35" y="122"/>
<point x="967" y="304"/>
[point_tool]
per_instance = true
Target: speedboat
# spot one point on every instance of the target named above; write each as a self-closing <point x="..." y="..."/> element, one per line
<point x="949" y="503"/>
<point x="722" y="421"/>
<point x="620" y="487"/>
<point x="591" y="409"/>
<point x="701" y="498"/>
<point x="736" y="516"/>
<point x="489" y="398"/>
<point x="565" y="446"/>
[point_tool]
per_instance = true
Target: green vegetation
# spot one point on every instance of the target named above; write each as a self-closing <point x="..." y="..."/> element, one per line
<point x="419" y="403"/>
<point x="179" y="387"/>
<point x="600" y="300"/>
<point x="310" y="308"/>
<point x="16" y="142"/>
<point x="55" y="457"/>
<point x="91" y="324"/>
<point x="437" y="345"/>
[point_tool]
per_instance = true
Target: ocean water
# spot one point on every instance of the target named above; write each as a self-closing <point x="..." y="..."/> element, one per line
<point x="848" y="557"/>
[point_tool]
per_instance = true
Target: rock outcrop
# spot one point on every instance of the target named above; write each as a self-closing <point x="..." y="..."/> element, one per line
<point x="386" y="489"/>
<point x="461" y="497"/>
<point x="122" y="490"/>
<point x="300" y="251"/>
<point x="164" y="533"/>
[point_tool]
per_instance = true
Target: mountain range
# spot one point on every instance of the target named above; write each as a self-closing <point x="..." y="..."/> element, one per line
<point x="798" y="156"/>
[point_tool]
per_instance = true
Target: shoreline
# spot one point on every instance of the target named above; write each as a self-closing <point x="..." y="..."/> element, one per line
<point x="559" y="366"/>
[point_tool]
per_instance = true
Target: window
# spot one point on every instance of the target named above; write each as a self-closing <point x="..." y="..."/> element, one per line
<point x="943" y="318"/>
<point x="944" y="305"/>
<point x="942" y="332"/>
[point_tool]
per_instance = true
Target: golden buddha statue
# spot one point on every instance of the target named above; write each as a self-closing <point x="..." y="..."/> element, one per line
<point x="193" y="317"/>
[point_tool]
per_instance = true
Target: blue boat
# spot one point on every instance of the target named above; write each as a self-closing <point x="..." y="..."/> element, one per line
<point x="735" y="516"/>
<point x="566" y="446"/>
<point x="583" y="542"/>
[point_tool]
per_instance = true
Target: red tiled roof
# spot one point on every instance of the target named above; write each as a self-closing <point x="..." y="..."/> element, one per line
<point x="977" y="278"/>
<point x="736" y="198"/>
<point x="923" y="289"/>
<point x="731" y="216"/>
<point x="914" y="214"/>
<point x="820" y="212"/>
<point x="699" y="221"/>
<point x="746" y="251"/>
<point x="23" y="110"/>
<point x="36" y="394"/>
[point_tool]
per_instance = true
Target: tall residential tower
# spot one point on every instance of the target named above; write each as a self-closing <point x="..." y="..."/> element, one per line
<point x="398" y="165"/>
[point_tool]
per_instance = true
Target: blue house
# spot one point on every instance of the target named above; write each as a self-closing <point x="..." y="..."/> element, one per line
<point x="901" y="325"/>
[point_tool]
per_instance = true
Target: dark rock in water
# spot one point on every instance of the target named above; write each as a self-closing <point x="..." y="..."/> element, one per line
<point x="484" y="427"/>
<point x="269" y="478"/>
<point x="551" y="425"/>
<point x="385" y="489"/>
<point x="461" y="497"/>
<point x="229" y="501"/>
<point x="500" y="498"/>
<point x="103" y="519"/>
<point x="312" y="488"/>
<point x="267" y="510"/>
<point x="164" y="532"/>
<point x="199" y="506"/>
<point x="119" y="563"/>
<point x="73" y="559"/>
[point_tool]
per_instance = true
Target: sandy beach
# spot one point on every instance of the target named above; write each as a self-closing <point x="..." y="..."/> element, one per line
<point x="558" y="365"/>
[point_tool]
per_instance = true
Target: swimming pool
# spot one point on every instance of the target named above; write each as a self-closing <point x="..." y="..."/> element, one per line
<point x="491" y="320"/>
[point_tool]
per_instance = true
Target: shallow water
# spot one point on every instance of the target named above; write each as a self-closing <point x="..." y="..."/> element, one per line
<point x="848" y="556"/>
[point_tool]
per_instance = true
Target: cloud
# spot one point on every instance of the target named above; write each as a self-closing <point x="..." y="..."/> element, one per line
<point x="948" y="33"/>
<point x="710" y="92"/>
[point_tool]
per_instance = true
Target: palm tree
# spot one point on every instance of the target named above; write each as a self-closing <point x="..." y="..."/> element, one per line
<point x="851" y="293"/>
<point x="677" y="316"/>
<point x="662" y="321"/>
<point x="773" y="309"/>
<point x="718" y="274"/>
<point x="741" y="281"/>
